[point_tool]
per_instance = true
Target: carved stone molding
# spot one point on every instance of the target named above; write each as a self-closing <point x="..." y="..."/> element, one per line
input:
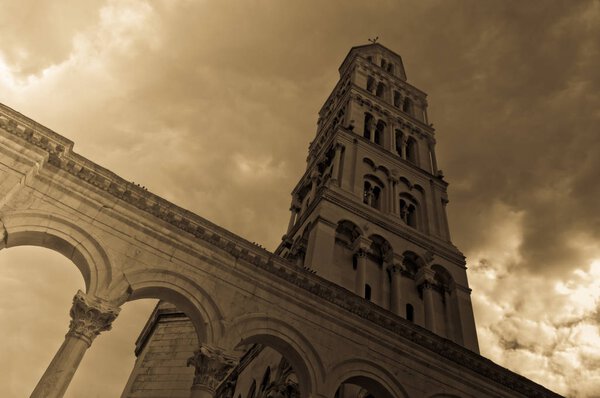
<point x="90" y="316"/>
<point x="211" y="366"/>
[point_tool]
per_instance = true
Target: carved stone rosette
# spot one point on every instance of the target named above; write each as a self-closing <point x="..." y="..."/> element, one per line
<point x="211" y="366"/>
<point x="90" y="316"/>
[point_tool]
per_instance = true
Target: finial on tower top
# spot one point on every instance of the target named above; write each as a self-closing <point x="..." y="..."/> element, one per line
<point x="374" y="40"/>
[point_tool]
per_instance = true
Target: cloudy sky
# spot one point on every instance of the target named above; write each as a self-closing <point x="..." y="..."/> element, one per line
<point x="212" y="104"/>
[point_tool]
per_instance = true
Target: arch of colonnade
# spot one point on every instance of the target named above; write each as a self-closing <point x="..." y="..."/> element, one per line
<point x="130" y="244"/>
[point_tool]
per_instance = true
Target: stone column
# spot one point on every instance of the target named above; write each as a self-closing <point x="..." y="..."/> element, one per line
<point x="390" y="195"/>
<point x="313" y="188"/>
<point x="211" y="367"/>
<point x="403" y="146"/>
<point x="89" y="317"/>
<point x="362" y="248"/>
<point x="433" y="158"/>
<point x="336" y="163"/>
<point x="426" y="282"/>
<point x="395" y="293"/>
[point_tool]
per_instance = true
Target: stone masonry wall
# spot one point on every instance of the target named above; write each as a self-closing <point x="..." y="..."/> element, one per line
<point x="163" y="349"/>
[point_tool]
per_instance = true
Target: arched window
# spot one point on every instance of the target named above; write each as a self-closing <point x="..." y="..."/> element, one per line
<point x="252" y="391"/>
<point x="370" y="84"/>
<point x="368" y="291"/>
<point x="383" y="63"/>
<point x="372" y="194"/>
<point x="397" y="99"/>
<point x="411" y="150"/>
<point x="380" y="90"/>
<point x="368" y="126"/>
<point x="399" y="137"/>
<point x="390" y="68"/>
<point x="410" y="313"/>
<point x="379" y="131"/>
<point x="376" y="204"/>
<point x="408" y="212"/>
<point x="407" y="106"/>
<point x="266" y="379"/>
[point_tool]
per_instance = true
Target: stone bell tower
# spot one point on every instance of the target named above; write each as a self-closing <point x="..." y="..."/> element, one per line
<point x="369" y="213"/>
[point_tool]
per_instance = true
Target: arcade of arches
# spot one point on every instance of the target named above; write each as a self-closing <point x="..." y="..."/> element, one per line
<point x="301" y="311"/>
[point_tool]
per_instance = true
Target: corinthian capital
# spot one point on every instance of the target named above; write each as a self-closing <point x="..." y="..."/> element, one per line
<point x="211" y="366"/>
<point x="90" y="316"/>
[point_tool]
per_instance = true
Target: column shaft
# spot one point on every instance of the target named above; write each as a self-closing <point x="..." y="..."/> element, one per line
<point x="429" y="309"/>
<point x="336" y="164"/>
<point x="395" y="293"/>
<point x="89" y="317"/>
<point x="294" y="213"/>
<point x="361" y="270"/>
<point x="59" y="373"/>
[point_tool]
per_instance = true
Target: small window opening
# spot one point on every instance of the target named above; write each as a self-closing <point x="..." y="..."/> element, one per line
<point x="390" y="68"/>
<point x="380" y="90"/>
<point x="399" y="138"/>
<point x="370" y="84"/>
<point x="407" y="106"/>
<point x="411" y="150"/>
<point x="375" y="200"/>
<point x="368" y="292"/>
<point x="379" y="129"/>
<point x="266" y="379"/>
<point x="410" y="313"/>
<point x="367" y="193"/>
<point x="397" y="99"/>
<point x="368" y="126"/>
<point x="411" y="217"/>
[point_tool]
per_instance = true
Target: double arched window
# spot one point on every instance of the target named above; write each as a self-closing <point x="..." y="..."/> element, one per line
<point x="372" y="194"/>
<point x="409" y="211"/>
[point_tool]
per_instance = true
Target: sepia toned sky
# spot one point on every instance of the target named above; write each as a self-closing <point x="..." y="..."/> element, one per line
<point x="212" y="105"/>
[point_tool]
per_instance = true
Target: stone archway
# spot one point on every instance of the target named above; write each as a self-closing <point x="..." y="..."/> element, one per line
<point x="59" y="234"/>
<point x="281" y="335"/>
<point x="367" y="375"/>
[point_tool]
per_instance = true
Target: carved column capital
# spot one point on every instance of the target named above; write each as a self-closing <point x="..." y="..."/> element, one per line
<point x="90" y="316"/>
<point x="396" y="268"/>
<point x="425" y="278"/>
<point x="211" y="366"/>
<point x="362" y="246"/>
